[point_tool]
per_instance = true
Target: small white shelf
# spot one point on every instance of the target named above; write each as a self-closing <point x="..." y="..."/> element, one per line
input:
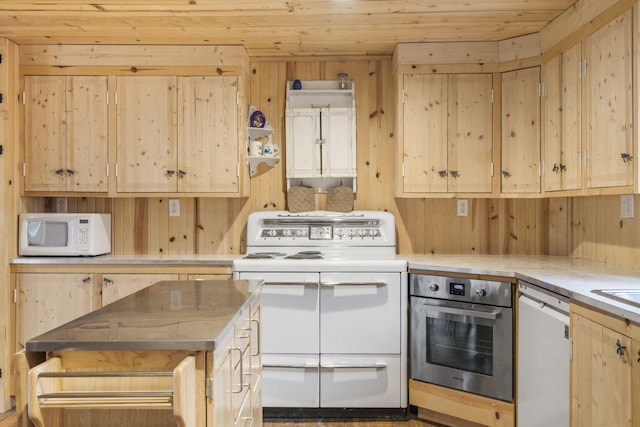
<point x="254" y="133"/>
<point x="254" y="161"/>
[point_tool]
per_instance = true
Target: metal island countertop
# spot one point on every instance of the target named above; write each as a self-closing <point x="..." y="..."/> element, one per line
<point x="168" y="315"/>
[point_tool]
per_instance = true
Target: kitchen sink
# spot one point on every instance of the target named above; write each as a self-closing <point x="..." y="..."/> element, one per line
<point x="627" y="296"/>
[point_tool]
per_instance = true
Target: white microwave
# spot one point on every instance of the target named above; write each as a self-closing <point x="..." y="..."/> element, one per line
<point x="64" y="234"/>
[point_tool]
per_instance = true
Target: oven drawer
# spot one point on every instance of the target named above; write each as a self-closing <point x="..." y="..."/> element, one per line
<point x="366" y="381"/>
<point x="290" y="381"/>
<point x="290" y="312"/>
<point x="360" y="313"/>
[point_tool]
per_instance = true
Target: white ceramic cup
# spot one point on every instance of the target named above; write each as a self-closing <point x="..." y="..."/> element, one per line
<point x="255" y="148"/>
<point x="268" y="149"/>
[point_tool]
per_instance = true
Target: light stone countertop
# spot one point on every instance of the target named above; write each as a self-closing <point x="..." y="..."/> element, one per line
<point x="169" y="259"/>
<point x="573" y="278"/>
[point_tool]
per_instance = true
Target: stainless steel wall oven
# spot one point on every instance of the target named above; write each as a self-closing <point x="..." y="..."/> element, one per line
<point x="462" y="334"/>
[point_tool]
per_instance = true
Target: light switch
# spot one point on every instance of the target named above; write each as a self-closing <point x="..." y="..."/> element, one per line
<point x="626" y="206"/>
<point x="463" y="207"/>
<point x="174" y="207"/>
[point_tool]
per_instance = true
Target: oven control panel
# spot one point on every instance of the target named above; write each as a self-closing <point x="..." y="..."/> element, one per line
<point x="323" y="232"/>
<point x="462" y="289"/>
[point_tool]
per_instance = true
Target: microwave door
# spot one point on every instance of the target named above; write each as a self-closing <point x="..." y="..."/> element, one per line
<point x="48" y="234"/>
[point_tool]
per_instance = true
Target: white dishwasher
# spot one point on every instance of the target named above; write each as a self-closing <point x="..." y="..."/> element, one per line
<point x="543" y="357"/>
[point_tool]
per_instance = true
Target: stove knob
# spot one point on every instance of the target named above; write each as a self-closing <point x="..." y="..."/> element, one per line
<point x="433" y="287"/>
<point x="352" y="233"/>
<point x="362" y="232"/>
<point x="340" y="233"/>
<point x="481" y="292"/>
<point x="286" y="233"/>
<point x="301" y="232"/>
<point x="373" y="232"/>
<point x="272" y="232"/>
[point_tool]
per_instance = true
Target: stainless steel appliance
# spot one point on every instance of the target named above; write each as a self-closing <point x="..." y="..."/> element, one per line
<point x="462" y="334"/>
<point x="543" y="357"/>
<point x="334" y="304"/>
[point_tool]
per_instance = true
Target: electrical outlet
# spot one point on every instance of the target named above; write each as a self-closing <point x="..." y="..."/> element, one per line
<point x="61" y="204"/>
<point x="463" y="207"/>
<point x="174" y="207"/>
<point x="626" y="206"/>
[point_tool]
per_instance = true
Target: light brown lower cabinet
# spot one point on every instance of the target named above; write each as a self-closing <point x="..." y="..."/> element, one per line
<point x="605" y="369"/>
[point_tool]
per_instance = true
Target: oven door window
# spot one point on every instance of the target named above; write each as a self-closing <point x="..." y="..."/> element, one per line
<point x="460" y="344"/>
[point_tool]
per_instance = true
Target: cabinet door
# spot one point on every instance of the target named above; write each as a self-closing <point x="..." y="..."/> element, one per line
<point x="425" y="133"/>
<point x="45" y="301"/>
<point x="303" y="143"/>
<point x="338" y="134"/>
<point x="470" y="134"/>
<point x="520" y="131"/>
<point x="44" y="133"/>
<point x="208" y="134"/>
<point x="86" y="149"/>
<point x="561" y="113"/>
<point x="609" y="96"/>
<point x="551" y="110"/>
<point x="571" y="107"/>
<point x="146" y="134"/>
<point x="119" y="285"/>
<point x="600" y="375"/>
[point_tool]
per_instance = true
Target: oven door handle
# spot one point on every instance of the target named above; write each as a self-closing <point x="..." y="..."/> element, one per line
<point x="292" y="283"/>
<point x="458" y="311"/>
<point x="291" y="365"/>
<point x="353" y="366"/>
<point x="334" y="284"/>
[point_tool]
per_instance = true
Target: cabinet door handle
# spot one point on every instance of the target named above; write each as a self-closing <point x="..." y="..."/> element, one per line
<point x="60" y="172"/>
<point x="555" y="169"/>
<point x="626" y="157"/>
<point x="170" y="173"/>
<point x="107" y="281"/>
<point x="454" y="174"/>
<point x="506" y="174"/>
<point x="240" y="383"/>
<point x="258" y="344"/>
<point x="70" y="172"/>
<point x="620" y="349"/>
<point x="181" y="173"/>
<point x="443" y="173"/>
<point x="638" y="355"/>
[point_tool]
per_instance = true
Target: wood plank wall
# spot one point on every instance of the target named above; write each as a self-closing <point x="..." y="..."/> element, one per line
<point x="584" y="227"/>
<point x="494" y="226"/>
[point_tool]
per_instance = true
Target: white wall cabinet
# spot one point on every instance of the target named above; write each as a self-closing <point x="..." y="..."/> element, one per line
<point x="321" y="135"/>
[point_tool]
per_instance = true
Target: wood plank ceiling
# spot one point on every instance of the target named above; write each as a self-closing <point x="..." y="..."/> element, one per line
<point x="275" y="27"/>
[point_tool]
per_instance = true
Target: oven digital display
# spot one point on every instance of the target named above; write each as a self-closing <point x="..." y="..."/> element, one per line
<point x="457" y="288"/>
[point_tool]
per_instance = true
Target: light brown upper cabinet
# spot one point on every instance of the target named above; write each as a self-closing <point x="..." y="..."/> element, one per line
<point x="520" y="172"/>
<point x="65" y="133"/>
<point x="587" y="107"/>
<point x="561" y="118"/>
<point x="446" y="143"/>
<point x="608" y="90"/>
<point x="177" y="134"/>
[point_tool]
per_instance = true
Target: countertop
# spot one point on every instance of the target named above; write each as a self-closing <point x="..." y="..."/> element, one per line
<point x="570" y="277"/>
<point x="169" y="315"/>
<point x="171" y="259"/>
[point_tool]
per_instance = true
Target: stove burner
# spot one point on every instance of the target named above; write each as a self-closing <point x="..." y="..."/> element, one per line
<point x="264" y="255"/>
<point x="306" y="255"/>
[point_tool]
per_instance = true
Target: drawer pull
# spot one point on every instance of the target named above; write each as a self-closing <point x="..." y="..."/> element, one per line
<point x="354" y="366"/>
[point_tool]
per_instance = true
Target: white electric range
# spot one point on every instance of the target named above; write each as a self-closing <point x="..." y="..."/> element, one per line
<point x="334" y="310"/>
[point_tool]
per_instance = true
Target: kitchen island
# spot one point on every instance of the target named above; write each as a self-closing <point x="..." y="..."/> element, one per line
<point x="176" y="353"/>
